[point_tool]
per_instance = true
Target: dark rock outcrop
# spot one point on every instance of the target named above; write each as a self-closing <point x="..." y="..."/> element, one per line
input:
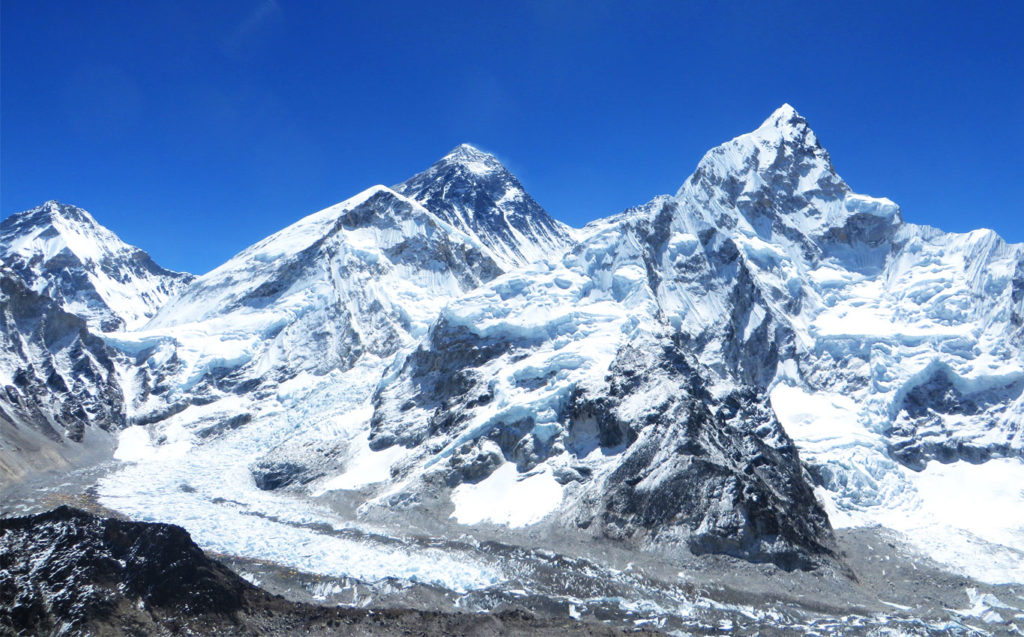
<point x="69" y="569"/>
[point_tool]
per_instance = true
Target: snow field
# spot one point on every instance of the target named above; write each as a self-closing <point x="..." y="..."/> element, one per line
<point x="506" y="497"/>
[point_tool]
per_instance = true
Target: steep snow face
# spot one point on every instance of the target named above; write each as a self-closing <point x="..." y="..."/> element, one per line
<point x="474" y="192"/>
<point x="773" y="269"/>
<point x="256" y="378"/>
<point x="668" y="378"/>
<point x="782" y="282"/>
<point x="362" y="278"/>
<point x="927" y="350"/>
<point x="62" y="252"/>
<point x="281" y="369"/>
<point x="777" y="180"/>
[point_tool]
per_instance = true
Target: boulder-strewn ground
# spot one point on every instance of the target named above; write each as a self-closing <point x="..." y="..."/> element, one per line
<point x="69" y="572"/>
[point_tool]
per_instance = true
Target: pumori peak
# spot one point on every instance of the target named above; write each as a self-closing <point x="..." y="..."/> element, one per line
<point x="62" y="251"/>
<point x="53" y="219"/>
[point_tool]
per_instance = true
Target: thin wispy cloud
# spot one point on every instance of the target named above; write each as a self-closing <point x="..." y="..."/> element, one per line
<point x="250" y="26"/>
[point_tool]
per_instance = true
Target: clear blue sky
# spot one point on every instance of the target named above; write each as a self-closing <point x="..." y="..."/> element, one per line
<point x="194" y="128"/>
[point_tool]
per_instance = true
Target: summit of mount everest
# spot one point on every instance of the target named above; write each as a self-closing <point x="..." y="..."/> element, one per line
<point x="711" y="408"/>
<point x="474" y="192"/>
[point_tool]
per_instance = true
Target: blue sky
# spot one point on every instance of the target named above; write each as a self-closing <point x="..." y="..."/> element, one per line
<point x="194" y="129"/>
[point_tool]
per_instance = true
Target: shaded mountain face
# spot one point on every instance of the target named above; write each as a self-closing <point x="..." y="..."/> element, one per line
<point x="60" y="251"/>
<point x="61" y="392"/>
<point x="474" y="192"/>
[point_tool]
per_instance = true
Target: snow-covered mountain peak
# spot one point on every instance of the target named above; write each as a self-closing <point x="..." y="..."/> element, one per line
<point x="357" y="281"/>
<point x="787" y="129"/>
<point x="376" y="230"/>
<point x="54" y="209"/>
<point x="465" y="168"/>
<point x="53" y="227"/>
<point x="476" y="193"/>
<point x="782" y="146"/>
<point x="781" y="181"/>
<point x="473" y="160"/>
<point x="731" y="369"/>
<point x="378" y="206"/>
<point x="61" y="251"/>
<point x="787" y="117"/>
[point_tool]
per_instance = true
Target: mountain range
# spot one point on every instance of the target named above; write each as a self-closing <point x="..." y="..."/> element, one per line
<point x="754" y="368"/>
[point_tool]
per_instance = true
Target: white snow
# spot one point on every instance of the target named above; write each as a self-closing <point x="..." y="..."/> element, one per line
<point x="506" y="497"/>
<point x="134" y="444"/>
<point x="365" y="468"/>
<point x="210" y="492"/>
<point x="873" y="323"/>
<point x="820" y="422"/>
<point x="877" y="206"/>
<point x="983" y="607"/>
<point x="968" y="516"/>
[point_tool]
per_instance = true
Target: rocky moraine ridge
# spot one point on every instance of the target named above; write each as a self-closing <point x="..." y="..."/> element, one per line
<point x="115" y="577"/>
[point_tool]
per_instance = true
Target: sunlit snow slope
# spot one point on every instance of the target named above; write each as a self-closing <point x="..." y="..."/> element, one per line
<point x="891" y="352"/>
<point x="63" y="253"/>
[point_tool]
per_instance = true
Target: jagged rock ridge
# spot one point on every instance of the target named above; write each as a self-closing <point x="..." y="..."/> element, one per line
<point x="60" y="387"/>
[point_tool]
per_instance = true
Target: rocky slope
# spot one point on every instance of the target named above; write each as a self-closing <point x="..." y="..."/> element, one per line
<point x="474" y="192"/>
<point x="66" y="281"/>
<point x="879" y="345"/>
<point x="361" y="278"/>
<point x="62" y="400"/>
<point x="772" y="280"/>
